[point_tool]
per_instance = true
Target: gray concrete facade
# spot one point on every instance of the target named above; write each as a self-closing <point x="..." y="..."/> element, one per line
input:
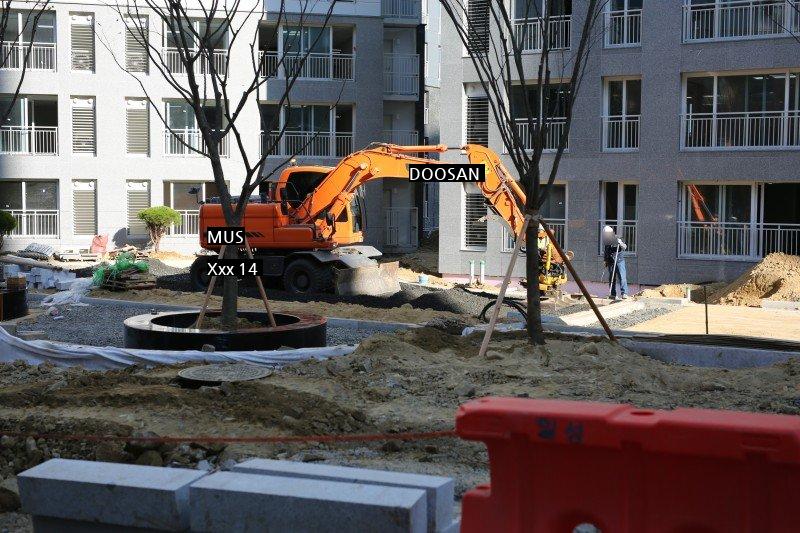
<point x="662" y="61"/>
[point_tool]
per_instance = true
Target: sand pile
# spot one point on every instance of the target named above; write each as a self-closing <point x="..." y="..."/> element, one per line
<point x="776" y="277"/>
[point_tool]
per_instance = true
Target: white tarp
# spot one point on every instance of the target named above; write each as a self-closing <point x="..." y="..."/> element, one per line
<point x="108" y="357"/>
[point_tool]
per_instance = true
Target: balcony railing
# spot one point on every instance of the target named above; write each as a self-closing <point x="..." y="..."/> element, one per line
<point x="742" y="130"/>
<point x="15" y="54"/>
<point x="30" y="140"/>
<point x="307" y="143"/>
<point x="742" y="240"/>
<point x="189" y="225"/>
<point x="202" y="65"/>
<point x="401" y="227"/>
<point x="401" y="74"/>
<point x="624" y="28"/>
<point x="621" y="133"/>
<point x="740" y="20"/>
<point x="187" y="141"/>
<point x="402" y="137"/>
<point x="552" y="138"/>
<point x="530" y="37"/>
<point x="35" y="223"/>
<point x="558" y="225"/>
<point x="316" y="66"/>
<point x="627" y="233"/>
<point x="401" y="9"/>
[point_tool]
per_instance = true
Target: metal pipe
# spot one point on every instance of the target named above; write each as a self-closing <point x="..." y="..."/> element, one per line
<point x="482" y="272"/>
<point x="471" y="271"/>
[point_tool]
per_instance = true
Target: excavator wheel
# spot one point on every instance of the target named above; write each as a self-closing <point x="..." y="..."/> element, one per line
<point x="199" y="280"/>
<point x="304" y="276"/>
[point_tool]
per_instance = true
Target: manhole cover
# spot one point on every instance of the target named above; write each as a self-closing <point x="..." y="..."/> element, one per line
<point x="224" y="372"/>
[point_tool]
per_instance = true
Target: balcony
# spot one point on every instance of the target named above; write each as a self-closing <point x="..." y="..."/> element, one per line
<point x="402" y="137"/>
<point x="401" y="75"/>
<point x="736" y="240"/>
<point x="171" y="58"/>
<point x="624" y="28"/>
<point x="188" y="142"/>
<point x="189" y="225"/>
<point x="624" y="229"/>
<point x="530" y="37"/>
<point x="746" y="19"/>
<point x="401" y="9"/>
<point x="29" y="140"/>
<point x="552" y="137"/>
<point x="621" y="133"/>
<point x="307" y="143"/>
<point x="557" y="225"/>
<point x="741" y="130"/>
<point x="35" y="223"/>
<point x="42" y="56"/>
<point x="401" y="227"/>
<point x="316" y="66"/>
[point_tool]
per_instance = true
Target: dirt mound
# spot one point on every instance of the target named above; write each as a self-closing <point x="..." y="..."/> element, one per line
<point x="679" y="290"/>
<point x="776" y="277"/>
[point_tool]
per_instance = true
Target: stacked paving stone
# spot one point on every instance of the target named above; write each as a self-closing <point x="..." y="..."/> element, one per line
<point x="83" y="496"/>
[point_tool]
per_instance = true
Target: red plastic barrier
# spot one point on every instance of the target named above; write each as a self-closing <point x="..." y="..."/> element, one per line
<point x="556" y="464"/>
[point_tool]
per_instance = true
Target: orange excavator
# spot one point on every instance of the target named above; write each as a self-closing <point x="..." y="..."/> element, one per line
<point x="307" y="224"/>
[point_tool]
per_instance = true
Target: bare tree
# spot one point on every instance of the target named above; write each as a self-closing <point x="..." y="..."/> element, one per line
<point x="15" y="26"/>
<point x="197" y="68"/>
<point x="539" y="116"/>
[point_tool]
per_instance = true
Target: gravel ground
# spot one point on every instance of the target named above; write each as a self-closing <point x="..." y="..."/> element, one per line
<point x="97" y="325"/>
<point x="637" y="317"/>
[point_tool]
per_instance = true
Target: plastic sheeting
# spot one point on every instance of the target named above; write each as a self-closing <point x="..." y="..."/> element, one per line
<point x="108" y="357"/>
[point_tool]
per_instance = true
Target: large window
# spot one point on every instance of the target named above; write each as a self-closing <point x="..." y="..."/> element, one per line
<point x="554" y="211"/>
<point x="178" y="197"/>
<point x="307" y="52"/>
<point x="31" y="126"/>
<point x="529" y="18"/>
<point x="549" y="104"/>
<point x="705" y="20"/>
<point x="183" y="136"/>
<point x="27" y="44"/>
<point x="618" y="209"/>
<point x="623" y="107"/>
<point x="34" y="205"/>
<point x="742" y="111"/>
<point x="624" y="23"/>
<point x="203" y="35"/>
<point x="308" y="130"/>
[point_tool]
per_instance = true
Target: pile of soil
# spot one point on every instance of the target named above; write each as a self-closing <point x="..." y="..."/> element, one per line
<point x="679" y="290"/>
<point x="776" y="277"/>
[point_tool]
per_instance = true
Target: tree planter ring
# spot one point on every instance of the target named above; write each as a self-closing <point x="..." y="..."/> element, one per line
<point x="174" y="331"/>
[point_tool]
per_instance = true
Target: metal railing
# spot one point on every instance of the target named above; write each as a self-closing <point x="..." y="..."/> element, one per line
<point x="402" y="137"/>
<point x="737" y="239"/>
<point x="558" y="225"/>
<point x="202" y="65"/>
<point x="307" y="143"/>
<point x="185" y="142"/>
<point x="530" y="37"/>
<point x="35" y="223"/>
<point x="189" y="225"/>
<point x="740" y="20"/>
<point x="552" y="137"/>
<point x="42" y="56"/>
<point x="627" y="233"/>
<point x="401" y="227"/>
<point x="741" y="130"/>
<point x="621" y="133"/>
<point x="624" y="28"/>
<point x="315" y="66"/>
<point x="401" y="9"/>
<point x="31" y="140"/>
<point x="401" y="74"/>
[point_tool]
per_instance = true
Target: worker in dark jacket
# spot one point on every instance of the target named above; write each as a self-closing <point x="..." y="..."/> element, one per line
<point x="614" y="258"/>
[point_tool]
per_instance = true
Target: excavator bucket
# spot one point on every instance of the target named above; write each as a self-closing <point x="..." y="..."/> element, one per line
<point x="373" y="280"/>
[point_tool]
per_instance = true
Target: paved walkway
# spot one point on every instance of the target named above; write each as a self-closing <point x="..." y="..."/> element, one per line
<point x="728" y="320"/>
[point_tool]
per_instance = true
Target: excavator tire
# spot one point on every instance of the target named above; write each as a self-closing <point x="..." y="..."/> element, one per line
<point x="304" y="276"/>
<point x="199" y="280"/>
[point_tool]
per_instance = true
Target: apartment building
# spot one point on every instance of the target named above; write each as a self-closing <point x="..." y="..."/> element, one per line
<point x="685" y="138"/>
<point x="83" y="151"/>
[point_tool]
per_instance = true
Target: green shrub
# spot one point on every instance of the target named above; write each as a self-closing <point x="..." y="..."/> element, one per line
<point x="158" y="219"/>
<point x="7" y="225"/>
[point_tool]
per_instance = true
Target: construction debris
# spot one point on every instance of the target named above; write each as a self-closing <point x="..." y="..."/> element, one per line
<point x="37" y="251"/>
<point x="776" y="277"/>
<point x="124" y="274"/>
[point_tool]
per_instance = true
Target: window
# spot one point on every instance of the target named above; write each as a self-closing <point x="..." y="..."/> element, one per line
<point x="205" y="36"/>
<point x="137" y="34"/>
<point x="33" y="204"/>
<point x="548" y="105"/>
<point x="29" y="46"/>
<point x="618" y="210"/>
<point x="137" y="126"/>
<point x="705" y="20"/>
<point x="82" y="41"/>
<point x="83" y="126"/>
<point x="309" y="130"/>
<point x="624" y="23"/>
<point x="528" y="21"/>
<point x="84" y="207"/>
<point x="31" y="126"/>
<point x="477" y="123"/>
<point x="478" y="25"/>
<point x="178" y="197"/>
<point x="474" y="220"/>
<point x="554" y="211"/>
<point x="138" y="197"/>
<point x="183" y="136"/>
<point x="742" y="111"/>
<point x="622" y="111"/>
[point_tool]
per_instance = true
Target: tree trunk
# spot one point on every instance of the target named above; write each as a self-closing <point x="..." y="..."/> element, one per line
<point x="534" y="325"/>
<point x="230" y="293"/>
